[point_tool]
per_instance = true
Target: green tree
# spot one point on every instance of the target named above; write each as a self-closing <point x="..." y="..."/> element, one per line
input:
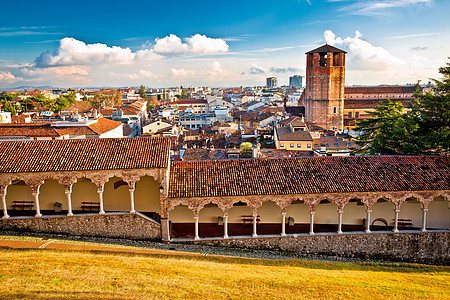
<point x="6" y="106"/>
<point x="245" y="149"/>
<point x="425" y="129"/>
<point x="143" y="92"/>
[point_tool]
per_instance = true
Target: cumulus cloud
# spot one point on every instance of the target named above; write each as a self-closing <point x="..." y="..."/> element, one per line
<point x="197" y="44"/>
<point x="7" y="77"/>
<point x="257" y="69"/>
<point x="362" y="54"/>
<point x="74" y="52"/>
<point x="181" y="73"/>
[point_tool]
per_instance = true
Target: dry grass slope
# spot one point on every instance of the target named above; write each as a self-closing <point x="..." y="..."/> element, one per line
<point x="44" y="273"/>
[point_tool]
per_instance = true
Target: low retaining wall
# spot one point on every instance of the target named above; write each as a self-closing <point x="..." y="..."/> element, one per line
<point x="130" y="226"/>
<point x="427" y="247"/>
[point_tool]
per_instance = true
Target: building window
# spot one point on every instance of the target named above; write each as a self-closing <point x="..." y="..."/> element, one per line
<point x="291" y="145"/>
<point x="334" y="110"/>
<point x="308" y="146"/>
<point x="356" y="114"/>
<point x="349" y="114"/>
<point x="299" y="145"/>
<point x="281" y="145"/>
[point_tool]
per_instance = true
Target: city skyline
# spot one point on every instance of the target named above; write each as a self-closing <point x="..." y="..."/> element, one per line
<point x="218" y="44"/>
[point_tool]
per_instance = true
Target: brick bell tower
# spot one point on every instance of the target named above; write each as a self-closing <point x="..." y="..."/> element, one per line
<point x="324" y="93"/>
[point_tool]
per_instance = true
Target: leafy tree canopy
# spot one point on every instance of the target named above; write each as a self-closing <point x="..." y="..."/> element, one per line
<point x="425" y="129"/>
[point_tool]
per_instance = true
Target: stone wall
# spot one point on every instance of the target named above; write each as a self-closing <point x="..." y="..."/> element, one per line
<point x="428" y="247"/>
<point x="132" y="226"/>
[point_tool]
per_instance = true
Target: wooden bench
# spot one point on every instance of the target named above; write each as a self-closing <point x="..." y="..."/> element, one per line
<point x="248" y="219"/>
<point x="23" y="204"/>
<point x="90" y="206"/>
<point x="404" y="223"/>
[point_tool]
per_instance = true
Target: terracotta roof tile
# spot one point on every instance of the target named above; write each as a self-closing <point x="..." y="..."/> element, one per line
<point x="88" y="154"/>
<point x="308" y="175"/>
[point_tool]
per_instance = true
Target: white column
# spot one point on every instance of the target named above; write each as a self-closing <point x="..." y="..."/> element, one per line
<point x="369" y="211"/>
<point x="196" y="237"/>
<point x="36" y="203"/>
<point x="69" y="201"/>
<point x="396" y="220"/>
<point x="5" y="210"/>
<point x="311" y="222"/>
<point x="100" y="199"/>
<point x="424" y="219"/>
<point x="225" y="226"/>
<point x="339" y="221"/>
<point x="132" y="211"/>
<point x="255" y="219"/>
<point x="283" y="223"/>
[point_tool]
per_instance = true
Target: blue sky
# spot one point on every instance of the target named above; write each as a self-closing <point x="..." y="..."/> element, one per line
<point x="216" y="43"/>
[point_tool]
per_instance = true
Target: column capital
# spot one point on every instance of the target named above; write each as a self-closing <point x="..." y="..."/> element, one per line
<point x="425" y="209"/>
<point x="369" y="211"/>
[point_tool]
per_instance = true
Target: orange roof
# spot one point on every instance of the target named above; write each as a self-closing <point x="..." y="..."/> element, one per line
<point x="100" y="127"/>
<point x="308" y="175"/>
<point x="86" y="154"/>
<point x="28" y="130"/>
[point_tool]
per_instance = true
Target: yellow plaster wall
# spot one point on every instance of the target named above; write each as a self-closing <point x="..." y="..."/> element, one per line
<point x="181" y="214"/>
<point x="18" y="192"/>
<point x="269" y="212"/>
<point x="116" y="199"/>
<point x="236" y="212"/>
<point x="147" y="196"/>
<point x="83" y="191"/>
<point x="300" y="213"/>
<point x="49" y="193"/>
<point x="210" y="214"/>
<point x="326" y="213"/>
<point x="353" y="214"/>
<point x="438" y="215"/>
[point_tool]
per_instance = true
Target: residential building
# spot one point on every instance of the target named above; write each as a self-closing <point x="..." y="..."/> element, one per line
<point x="293" y="137"/>
<point x="271" y="82"/>
<point x="295" y="81"/>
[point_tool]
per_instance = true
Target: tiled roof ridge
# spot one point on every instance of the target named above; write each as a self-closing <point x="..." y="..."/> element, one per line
<point x="308" y="175"/>
<point x="83" y="154"/>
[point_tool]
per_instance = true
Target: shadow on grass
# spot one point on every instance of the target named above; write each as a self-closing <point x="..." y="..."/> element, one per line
<point x="303" y="263"/>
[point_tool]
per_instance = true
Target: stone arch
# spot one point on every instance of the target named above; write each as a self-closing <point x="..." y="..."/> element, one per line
<point x="354" y="215"/>
<point x="84" y="190"/>
<point x="326" y="216"/>
<point x="51" y="192"/>
<point x="411" y="209"/>
<point x="298" y="210"/>
<point x="18" y="190"/>
<point x="116" y="195"/>
<point x="235" y="219"/>
<point x="382" y="210"/>
<point x="209" y="217"/>
<point x="181" y="222"/>
<point x="147" y="196"/>
<point x="438" y="215"/>
<point x="270" y="218"/>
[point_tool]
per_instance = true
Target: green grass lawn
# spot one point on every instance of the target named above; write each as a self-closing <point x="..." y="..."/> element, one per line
<point x="45" y="273"/>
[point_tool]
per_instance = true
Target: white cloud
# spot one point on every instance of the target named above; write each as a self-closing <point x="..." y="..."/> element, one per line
<point x="181" y="73"/>
<point x="195" y="45"/>
<point x="362" y="54"/>
<point x="257" y="69"/>
<point x="74" y="52"/>
<point x="380" y="7"/>
<point x="7" y="77"/>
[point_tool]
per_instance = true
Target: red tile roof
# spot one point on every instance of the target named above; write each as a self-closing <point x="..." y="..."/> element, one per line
<point x="28" y="130"/>
<point x="404" y="89"/>
<point x="308" y="175"/>
<point x="326" y="48"/>
<point x="80" y="155"/>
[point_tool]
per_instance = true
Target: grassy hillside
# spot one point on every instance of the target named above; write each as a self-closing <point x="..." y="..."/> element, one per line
<point x="60" y="273"/>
